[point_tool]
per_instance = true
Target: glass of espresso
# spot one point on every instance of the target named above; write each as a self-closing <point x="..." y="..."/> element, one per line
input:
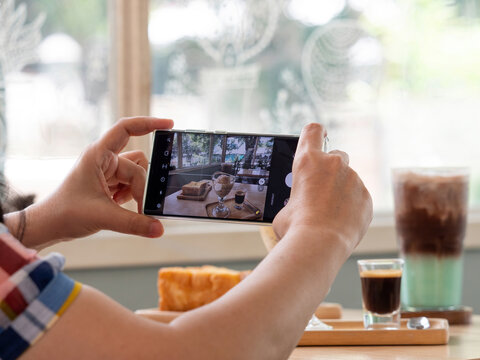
<point x="381" y="279"/>
<point x="431" y="206"/>
<point x="239" y="199"/>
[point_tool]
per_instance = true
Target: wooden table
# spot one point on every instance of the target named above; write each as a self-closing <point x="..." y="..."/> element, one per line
<point x="253" y="173"/>
<point x="197" y="208"/>
<point x="464" y="343"/>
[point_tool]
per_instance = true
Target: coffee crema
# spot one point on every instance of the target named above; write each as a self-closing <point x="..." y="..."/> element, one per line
<point x="381" y="290"/>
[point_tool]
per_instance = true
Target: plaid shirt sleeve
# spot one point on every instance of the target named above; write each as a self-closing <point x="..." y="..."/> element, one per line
<point x="34" y="293"/>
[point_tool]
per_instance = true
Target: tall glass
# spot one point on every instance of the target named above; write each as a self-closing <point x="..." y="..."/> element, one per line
<point x="222" y="185"/>
<point x="431" y="206"/>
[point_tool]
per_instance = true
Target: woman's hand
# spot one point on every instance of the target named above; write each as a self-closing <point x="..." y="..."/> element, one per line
<point x="90" y="197"/>
<point x="327" y="195"/>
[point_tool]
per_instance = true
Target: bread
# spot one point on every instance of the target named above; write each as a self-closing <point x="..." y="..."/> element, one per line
<point x="195" y="188"/>
<point x="182" y="289"/>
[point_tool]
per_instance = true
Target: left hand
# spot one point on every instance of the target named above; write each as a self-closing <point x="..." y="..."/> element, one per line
<point x="90" y="197"/>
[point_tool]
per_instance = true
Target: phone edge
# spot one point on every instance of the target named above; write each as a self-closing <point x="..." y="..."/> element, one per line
<point x="216" y="132"/>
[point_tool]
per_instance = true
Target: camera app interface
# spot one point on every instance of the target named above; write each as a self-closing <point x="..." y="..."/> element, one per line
<point x="231" y="177"/>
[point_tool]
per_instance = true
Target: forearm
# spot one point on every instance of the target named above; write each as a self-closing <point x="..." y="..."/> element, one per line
<point x="261" y="318"/>
<point x="265" y="315"/>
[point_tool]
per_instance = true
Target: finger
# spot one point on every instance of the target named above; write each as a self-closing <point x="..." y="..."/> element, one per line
<point x="137" y="156"/>
<point x="312" y="137"/>
<point x="122" y="195"/>
<point x="122" y="220"/>
<point x="134" y="175"/>
<point x="342" y="154"/>
<point x="117" y="137"/>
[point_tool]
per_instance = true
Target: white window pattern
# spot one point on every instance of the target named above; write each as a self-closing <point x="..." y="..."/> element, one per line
<point x="342" y="65"/>
<point x="63" y="75"/>
<point x="18" y="43"/>
<point x="334" y="68"/>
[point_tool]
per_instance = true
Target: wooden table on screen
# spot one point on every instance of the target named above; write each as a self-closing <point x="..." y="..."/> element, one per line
<point x="464" y="343"/>
<point x="176" y="206"/>
<point x="253" y="173"/>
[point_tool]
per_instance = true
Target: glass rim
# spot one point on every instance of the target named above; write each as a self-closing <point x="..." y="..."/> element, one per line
<point x="380" y="261"/>
<point x="433" y="170"/>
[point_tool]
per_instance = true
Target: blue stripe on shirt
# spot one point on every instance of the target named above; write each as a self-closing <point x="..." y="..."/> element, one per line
<point x="55" y="294"/>
<point x="12" y="345"/>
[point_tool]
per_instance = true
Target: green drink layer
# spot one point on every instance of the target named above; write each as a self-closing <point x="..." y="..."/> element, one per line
<point x="431" y="282"/>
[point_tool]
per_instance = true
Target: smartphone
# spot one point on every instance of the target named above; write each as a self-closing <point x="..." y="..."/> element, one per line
<point x="233" y="177"/>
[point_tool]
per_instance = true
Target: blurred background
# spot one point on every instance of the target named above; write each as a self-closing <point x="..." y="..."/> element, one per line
<point x="396" y="82"/>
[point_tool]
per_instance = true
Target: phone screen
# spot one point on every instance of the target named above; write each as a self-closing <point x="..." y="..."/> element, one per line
<point x="228" y="176"/>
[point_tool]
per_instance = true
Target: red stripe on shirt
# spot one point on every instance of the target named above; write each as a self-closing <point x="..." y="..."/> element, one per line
<point x="16" y="301"/>
<point x="11" y="260"/>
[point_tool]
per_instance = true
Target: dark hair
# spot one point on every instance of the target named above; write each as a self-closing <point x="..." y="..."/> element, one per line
<point x="11" y="200"/>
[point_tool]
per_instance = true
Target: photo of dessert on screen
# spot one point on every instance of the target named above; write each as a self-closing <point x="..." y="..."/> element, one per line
<point x="218" y="176"/>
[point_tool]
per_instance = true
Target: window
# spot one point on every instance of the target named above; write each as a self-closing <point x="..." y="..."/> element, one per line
<point x="232" y="152"/>
<point x="55" y="58"/>
<point x="218" y="148"/>
<point x="263" y="153"/>
<point x="195" y="149"/>
<point x="395" y="81"/>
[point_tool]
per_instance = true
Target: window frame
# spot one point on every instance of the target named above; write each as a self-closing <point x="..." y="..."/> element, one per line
<point x="178" y="144"/>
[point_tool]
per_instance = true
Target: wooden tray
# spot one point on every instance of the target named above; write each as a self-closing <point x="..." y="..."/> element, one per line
<point x="353" y="333"/>
<point x="460" y="316"/>
<point x="248" y="210"/>
<point x="348" y="332"/>
<point x="196" y="197"/>
<point x="324" y="311"/>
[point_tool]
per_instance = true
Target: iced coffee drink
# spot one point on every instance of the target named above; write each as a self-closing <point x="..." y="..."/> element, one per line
<point x="431" y="208"/>
<point x="222" y="184"/>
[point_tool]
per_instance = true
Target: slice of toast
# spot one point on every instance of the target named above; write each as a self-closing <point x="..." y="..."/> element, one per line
<point x="182" y="289"/>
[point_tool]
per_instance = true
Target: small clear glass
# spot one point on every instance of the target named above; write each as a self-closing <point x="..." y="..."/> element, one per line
<point x="381" y="283"/>
<point x="240" y="194"/>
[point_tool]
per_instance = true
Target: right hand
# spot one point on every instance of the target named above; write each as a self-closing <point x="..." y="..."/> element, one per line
<point x="327" y="195"/>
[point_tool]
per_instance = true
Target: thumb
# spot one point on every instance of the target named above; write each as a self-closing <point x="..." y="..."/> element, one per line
<point x="128" y="222"/>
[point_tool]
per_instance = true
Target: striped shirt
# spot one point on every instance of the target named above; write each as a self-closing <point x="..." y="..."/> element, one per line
<point x="34" y="293"/>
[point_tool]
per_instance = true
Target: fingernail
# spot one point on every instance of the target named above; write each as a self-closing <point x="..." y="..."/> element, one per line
<point x="156" y="229"/>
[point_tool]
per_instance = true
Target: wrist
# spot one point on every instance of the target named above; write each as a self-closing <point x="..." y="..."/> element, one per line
<point x="16" y="223"/>
<point x="11" y="222"/>
<point x="315" y="238"/>
<point x="44" y="224"/>
<point x="314" y="256"/>
<point x="32" y="226"/>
